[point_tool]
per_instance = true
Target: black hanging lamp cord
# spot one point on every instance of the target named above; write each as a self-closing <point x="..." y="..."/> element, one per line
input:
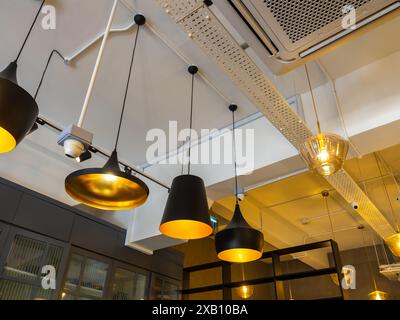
<point x="192" y="70"/>
<point x="29" y="32"/>
<point x="313" y="97"/>
<point x="45" y="70"/>
<point x="233" y="108"/>
<point x="139" y="20"/>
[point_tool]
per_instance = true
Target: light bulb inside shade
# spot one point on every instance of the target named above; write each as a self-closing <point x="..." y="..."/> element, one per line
<point x="245" y="292"/>
<point x="110" y="177"/>
<point x="323" y="155"/>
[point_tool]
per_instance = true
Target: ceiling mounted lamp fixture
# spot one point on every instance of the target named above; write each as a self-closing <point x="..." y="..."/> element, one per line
<point x="238" y="242"/>
<point x="245" y="291"/>
<point x="186" y="213"/>
<point x="109" y="188"/>
<point x="18" y="109"/>
<point x="324" y="153"/>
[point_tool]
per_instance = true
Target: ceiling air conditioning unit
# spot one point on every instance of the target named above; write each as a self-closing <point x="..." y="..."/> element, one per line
<point x="294" y="31"/>
<point x="391" y="271"/>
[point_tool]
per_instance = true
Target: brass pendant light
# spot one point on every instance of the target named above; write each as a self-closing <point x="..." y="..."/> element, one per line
<point x="238" y="242"/>
<point x="109" y="188"/>
<point x="393" y="243"/>
<point x="186" y="213"/>
<point x="18" y="109"/>
<point x="376" y="294"/>
<point x="324" y="153"/>
<point x="245" y="291"/>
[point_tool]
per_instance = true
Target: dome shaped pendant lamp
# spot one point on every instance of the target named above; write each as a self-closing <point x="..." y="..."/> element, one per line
<point x="109" y="188"/>
<point x="18" y="109"/>
<point x="186" y="213"/>
<point x="238" y="242"/>
<point x="324" y="153"/>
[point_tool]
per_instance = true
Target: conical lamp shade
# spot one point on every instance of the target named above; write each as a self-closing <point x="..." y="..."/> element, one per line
<point x="107" y="188"/>
<point x="186" y="212"/>
<point x="239" y="242"/>
<point x="18" y="110"/>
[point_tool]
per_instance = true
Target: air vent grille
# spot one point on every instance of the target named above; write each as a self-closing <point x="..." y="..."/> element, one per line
<point x="301" y="18"/>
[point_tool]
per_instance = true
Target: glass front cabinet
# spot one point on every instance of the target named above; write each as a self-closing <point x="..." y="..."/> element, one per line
<point x="163" y="288"/>
<point x="93" y="277"/>
<point x="79" y="274"/>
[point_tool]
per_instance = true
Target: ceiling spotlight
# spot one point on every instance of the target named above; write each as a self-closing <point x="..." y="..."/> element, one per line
<point x="75" y="139"/>
<point x="86" y="155"/>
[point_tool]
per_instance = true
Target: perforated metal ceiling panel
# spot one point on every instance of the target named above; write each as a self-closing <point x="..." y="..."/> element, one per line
<point x="299" y="18"/>
<point x="211" y="36"/>
<point x="306" y="28"/>
<point x="299" y="24"/>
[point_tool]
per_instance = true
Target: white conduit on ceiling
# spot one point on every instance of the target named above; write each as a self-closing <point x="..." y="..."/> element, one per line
<point x="211" y="36"/>
<point x="96" y="66"/>
<point x="162" y="37"/>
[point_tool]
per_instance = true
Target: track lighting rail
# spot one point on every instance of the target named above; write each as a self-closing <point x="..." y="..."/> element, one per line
<point x="128" y="168"/>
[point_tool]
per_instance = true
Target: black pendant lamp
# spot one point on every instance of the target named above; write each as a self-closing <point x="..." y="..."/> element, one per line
<point x="186" y="212"/>
<point x="238" y="242"/>
<point x="109" y="188"/>
<point x="18" y="109"/>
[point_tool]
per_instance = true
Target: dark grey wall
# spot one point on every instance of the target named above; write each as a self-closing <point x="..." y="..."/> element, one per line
<point x="32" y="211"/>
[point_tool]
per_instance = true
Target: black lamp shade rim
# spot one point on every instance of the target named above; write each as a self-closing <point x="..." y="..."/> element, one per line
<point x="70" y="188"/>
<point x="187" y="201"/>
<point x="239" y="238"/>
<point x="18" y="110"/>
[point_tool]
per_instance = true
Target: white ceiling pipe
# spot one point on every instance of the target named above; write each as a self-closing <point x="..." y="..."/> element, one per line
<point x="96" y="67"/>
<point x="72" y="57"/>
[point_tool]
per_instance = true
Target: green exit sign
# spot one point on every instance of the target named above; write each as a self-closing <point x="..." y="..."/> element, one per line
<point x="214" y="222"/>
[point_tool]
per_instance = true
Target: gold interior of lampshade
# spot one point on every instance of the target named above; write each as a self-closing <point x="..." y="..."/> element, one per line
<point x="7" y="141"/>
<point x="325" y="153"/>
<point x="378" y="295"/>
<point x="393" y="243"/>
<point x="106" y="191"/>
<point x="245" y="292"/>
<point x="240" y="255"/>
<point x="186" y="229"/>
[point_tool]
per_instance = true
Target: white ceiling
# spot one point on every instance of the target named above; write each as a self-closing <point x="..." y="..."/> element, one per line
<point x="159" y="93"/>
<point x="160" y="87"/>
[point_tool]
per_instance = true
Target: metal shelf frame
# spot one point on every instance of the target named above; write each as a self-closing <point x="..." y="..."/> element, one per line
<point x="277" y="278"/>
